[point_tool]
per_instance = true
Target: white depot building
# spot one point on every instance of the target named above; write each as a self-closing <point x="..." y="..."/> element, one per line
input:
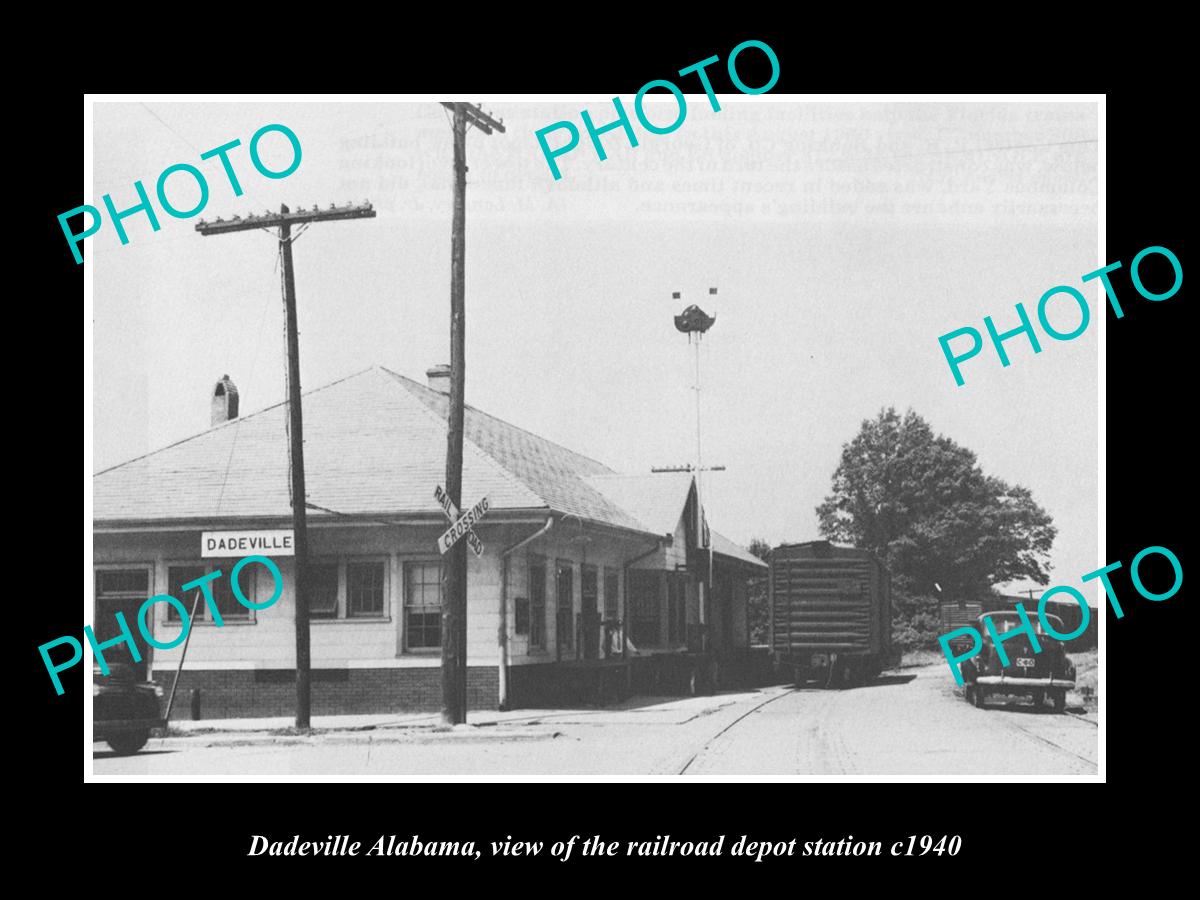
<point x="603" y="579"/>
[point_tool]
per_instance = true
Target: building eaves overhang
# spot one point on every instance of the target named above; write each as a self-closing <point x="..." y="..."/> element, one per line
<point x="317" y="519"/>
<point x="725" y="559"/>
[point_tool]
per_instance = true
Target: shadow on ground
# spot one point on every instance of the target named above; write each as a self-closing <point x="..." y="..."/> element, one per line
<point x="891" y="679"/>
<point x="108" y="754"/>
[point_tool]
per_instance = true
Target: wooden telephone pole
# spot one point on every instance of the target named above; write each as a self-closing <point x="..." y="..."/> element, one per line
<point x="454" y="603"/>
<point x="285" y="219"/>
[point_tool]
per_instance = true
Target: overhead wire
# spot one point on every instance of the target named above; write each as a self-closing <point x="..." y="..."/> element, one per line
<point x="373" y="521"/>
<point x="169" y="128"/>
<point x="960" y="150"/>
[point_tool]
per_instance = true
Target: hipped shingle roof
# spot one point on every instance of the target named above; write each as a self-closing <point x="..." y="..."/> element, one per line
<point x="375" y="444"/>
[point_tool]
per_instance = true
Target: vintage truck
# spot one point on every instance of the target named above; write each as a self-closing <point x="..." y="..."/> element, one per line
<point x="125" y="709"/>
<point x="1039" y="675"/>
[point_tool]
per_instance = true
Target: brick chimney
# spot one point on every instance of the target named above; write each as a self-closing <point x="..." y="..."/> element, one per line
<point x="439" y="378"/>
<point x="224" y="401"/>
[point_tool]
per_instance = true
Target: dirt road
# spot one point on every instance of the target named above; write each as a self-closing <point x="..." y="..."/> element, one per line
<point x="906" y="724"/>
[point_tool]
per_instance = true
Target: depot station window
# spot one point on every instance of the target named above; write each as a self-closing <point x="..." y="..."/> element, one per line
<point x="347" y="589"/>
<point x="230" y="608"/>
<point x="422" y="605"/>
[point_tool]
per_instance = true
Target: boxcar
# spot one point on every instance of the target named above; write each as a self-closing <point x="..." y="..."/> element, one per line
<point x="959" y="614"/>
<point x="831" y="613"/>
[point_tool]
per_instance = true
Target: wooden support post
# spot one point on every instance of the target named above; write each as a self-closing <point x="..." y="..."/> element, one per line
<point x="454" y="599"/>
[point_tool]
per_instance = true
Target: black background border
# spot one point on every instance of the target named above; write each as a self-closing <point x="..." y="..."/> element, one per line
<point x="1147" y="651"/>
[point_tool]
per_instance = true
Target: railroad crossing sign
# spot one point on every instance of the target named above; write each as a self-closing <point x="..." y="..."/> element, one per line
<point x="460" y="525"/>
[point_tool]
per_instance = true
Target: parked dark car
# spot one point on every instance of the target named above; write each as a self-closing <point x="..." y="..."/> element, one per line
<point x="1048" y="674"/>
<point x="124" y="709"/>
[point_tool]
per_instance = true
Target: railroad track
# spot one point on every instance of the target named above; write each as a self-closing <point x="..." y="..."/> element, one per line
<point x="1057" y="746"/>
<point x="708" y="743"/>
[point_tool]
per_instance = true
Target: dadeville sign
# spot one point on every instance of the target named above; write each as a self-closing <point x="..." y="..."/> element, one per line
<point x="277" y="542"/>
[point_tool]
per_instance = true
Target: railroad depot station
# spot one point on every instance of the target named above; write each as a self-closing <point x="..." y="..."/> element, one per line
<point x="602" y="579"/>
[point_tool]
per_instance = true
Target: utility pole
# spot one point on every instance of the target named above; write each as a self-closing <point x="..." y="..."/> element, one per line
<point x="285" y="219"/>
<point x="454" y="601"/>
<point x="694" y="322"/>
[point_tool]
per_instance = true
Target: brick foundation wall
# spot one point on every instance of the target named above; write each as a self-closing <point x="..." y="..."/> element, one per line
<point x="549" y="686"/>
<point x="553" y="685"/>
<point x="227" y="693"/>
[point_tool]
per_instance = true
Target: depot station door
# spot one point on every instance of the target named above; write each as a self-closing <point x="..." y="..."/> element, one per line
<point x="123" y="591"/>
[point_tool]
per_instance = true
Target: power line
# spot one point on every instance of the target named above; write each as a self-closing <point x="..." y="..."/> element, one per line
<point x="964" y="150"/>
<point x="169" y="128"/>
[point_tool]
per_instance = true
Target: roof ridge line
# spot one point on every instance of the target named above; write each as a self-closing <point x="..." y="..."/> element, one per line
<point x="691" y="489"/>
<point x="483" y="454"/>
<point x="533" y="434"/>
<point x="638" y="474"/>
<point x="228" y="422"/>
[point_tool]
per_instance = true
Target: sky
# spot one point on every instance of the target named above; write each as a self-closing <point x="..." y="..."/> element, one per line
<point x="843" y="239"/>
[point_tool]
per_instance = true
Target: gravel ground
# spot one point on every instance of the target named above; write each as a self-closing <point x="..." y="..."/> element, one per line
<point x="912" y="722"/>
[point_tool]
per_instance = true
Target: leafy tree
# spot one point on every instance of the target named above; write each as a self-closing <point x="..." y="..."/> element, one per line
<point x="922" y="504"/>
<point x="761" y="549"/>
<point x="756" y="599"/>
